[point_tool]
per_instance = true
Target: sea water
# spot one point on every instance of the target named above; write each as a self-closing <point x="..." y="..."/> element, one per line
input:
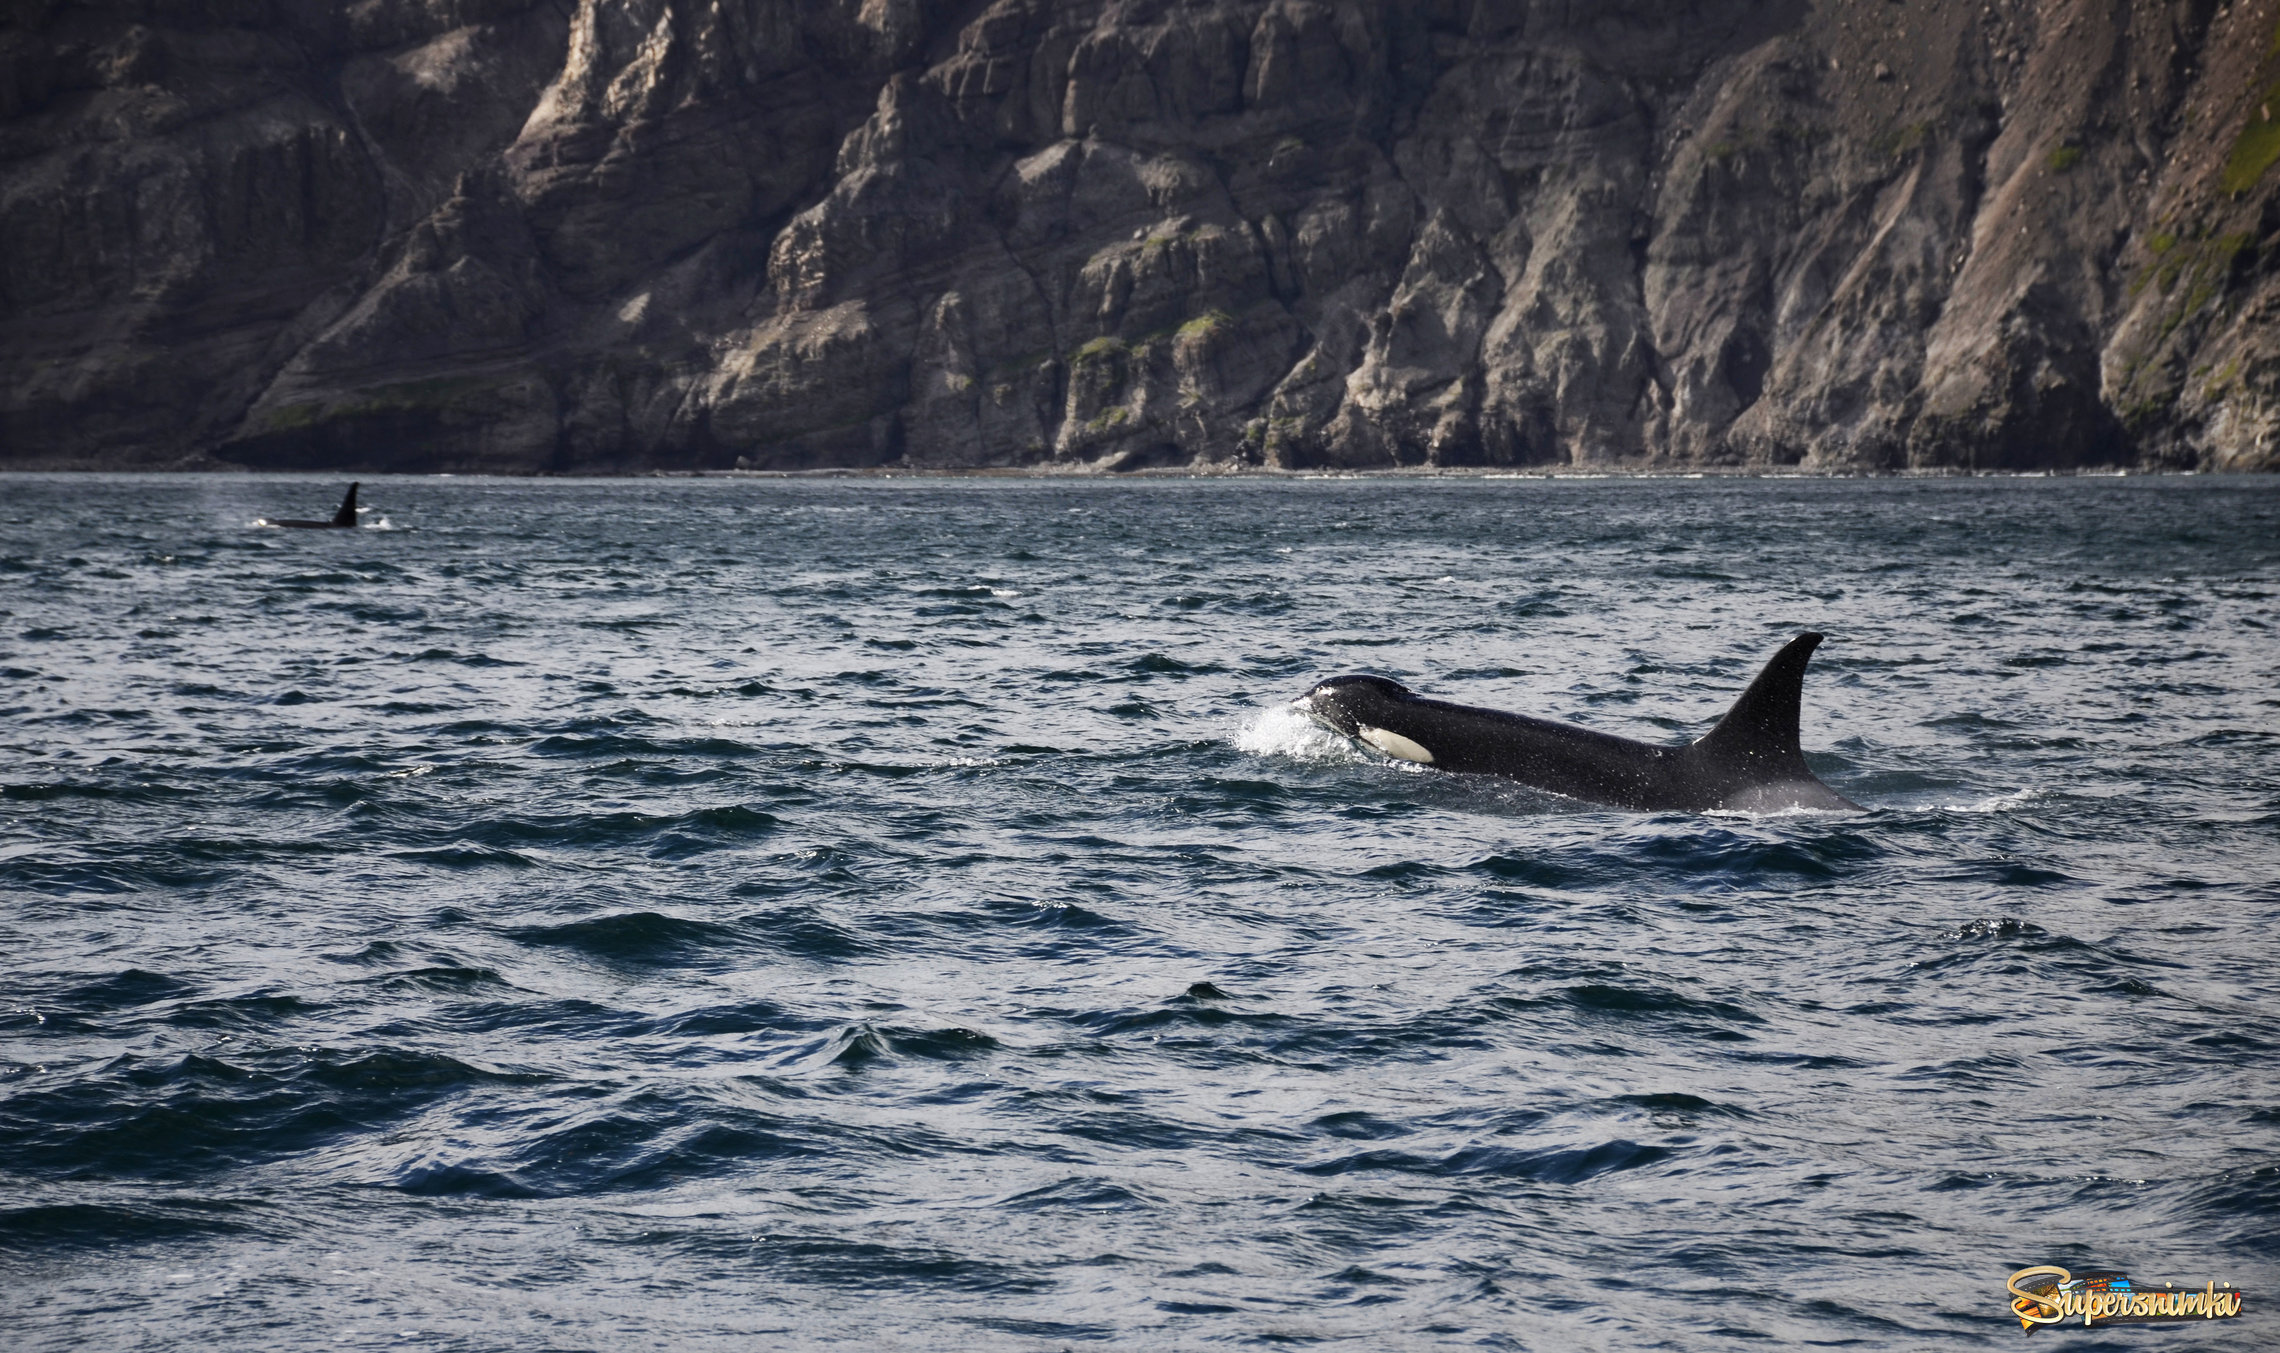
<point x="734" y="914"/>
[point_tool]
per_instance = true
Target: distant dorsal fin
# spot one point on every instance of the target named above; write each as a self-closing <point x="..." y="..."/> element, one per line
<point x="347" y="514"/>
<point x="1760" y="731"/>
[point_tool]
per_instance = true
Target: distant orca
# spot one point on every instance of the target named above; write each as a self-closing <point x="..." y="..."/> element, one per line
<point x="345" y="518"/>
<point x="1749" y="763"/>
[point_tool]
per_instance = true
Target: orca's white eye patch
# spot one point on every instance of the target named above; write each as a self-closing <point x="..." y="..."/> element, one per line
<point x="1393" y="744"/>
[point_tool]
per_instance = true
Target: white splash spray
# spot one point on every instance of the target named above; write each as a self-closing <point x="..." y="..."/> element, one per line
<point x="1281" y="730"/>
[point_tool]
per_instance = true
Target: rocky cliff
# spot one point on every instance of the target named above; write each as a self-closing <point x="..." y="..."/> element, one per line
<point x="566" y="235"/>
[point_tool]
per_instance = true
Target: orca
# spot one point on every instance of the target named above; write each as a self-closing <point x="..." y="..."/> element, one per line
<point x="344" y="519"/>
<point x="1750" y="762"/>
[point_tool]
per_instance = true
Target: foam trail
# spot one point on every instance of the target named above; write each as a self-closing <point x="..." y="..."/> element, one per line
<point x="2000" y="803"/>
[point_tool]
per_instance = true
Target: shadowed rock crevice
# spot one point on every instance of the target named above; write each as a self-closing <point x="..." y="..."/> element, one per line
<point x="584" y="235"/>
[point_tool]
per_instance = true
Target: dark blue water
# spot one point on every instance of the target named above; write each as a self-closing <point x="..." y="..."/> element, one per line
<point x="732" y="915"/>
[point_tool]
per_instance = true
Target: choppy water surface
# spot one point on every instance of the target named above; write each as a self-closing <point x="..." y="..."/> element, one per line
<point x="719" y="915"/>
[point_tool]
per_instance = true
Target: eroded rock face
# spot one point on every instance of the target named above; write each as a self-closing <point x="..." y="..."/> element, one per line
<point x="561" y="235"/>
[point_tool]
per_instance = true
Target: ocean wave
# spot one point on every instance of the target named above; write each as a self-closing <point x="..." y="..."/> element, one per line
<point x="762" y="900"/>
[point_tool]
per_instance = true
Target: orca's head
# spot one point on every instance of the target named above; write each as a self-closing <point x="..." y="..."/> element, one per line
<point x="1347" y="704"/>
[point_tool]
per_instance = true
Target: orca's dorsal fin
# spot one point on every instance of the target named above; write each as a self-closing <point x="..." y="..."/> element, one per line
<point x="1759" y="733"/>
<point x="347" y="514"/>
